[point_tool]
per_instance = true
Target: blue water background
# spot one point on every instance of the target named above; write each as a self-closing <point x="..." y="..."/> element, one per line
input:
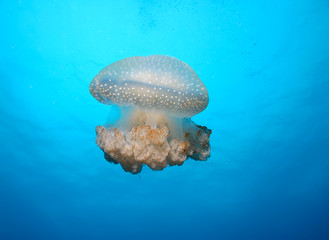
<point x="266" y="67"/>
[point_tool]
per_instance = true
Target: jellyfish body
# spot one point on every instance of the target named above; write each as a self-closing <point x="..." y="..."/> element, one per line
<point x="157" y="96"/>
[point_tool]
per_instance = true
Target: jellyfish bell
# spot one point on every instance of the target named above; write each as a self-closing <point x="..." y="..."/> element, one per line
<point x="157" y="96"/>
<point x="154" y="82"/>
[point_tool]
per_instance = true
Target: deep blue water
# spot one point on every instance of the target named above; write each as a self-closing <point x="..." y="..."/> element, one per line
<point x="266" y="67"/>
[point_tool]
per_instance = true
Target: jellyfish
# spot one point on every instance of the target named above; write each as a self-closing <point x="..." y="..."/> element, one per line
<point x="156" y="97"/>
